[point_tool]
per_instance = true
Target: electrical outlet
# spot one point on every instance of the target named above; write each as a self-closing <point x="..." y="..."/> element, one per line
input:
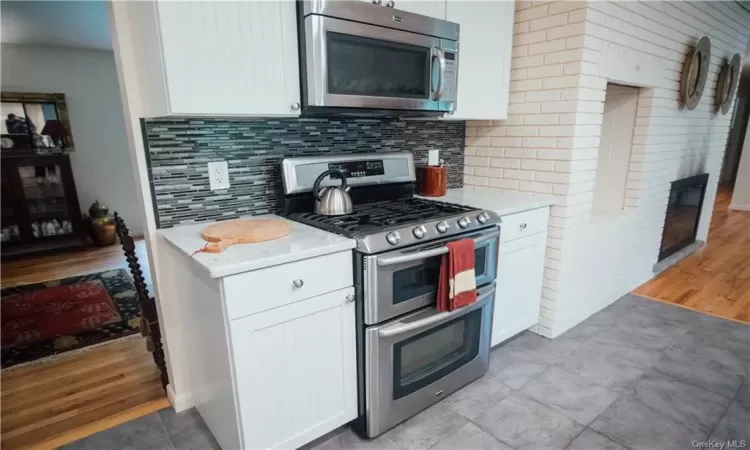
<point x="218" y="175"/>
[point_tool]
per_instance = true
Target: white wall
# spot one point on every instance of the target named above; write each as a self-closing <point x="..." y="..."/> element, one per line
<point x="564" y="55"/>
<point x="101" y="161"/>
<point x="128" y="42"/>
<point x="741" y="192"/>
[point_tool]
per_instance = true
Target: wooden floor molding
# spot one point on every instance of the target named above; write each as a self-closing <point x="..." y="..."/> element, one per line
<point x="102" y="424"/>
<point x="48" y="405"/>
<point x="716" y="279"/>
<point x="692" y="308"/>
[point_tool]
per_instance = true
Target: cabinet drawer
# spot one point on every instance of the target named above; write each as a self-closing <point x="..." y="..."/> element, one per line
<point x="523" y="224"/>
<point x="264" y="289"/>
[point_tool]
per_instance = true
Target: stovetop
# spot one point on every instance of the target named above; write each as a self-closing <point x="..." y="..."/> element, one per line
<point x="389" y="225"/>
<point x="386" y="215"/>
<point x="378" y="216"/>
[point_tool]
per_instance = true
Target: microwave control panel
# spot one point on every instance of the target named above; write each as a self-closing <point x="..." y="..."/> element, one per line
<point x="451" y="75"/>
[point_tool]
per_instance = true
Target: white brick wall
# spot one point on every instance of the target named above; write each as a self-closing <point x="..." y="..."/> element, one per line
<point x="564" y="54"/>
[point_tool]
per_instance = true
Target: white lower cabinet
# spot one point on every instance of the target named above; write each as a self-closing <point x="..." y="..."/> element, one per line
<point x="296" y="371"/>
<point x="520" y="271"/>
<point x="272" y="362"/>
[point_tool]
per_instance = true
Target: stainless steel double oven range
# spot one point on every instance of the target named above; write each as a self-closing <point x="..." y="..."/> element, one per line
<point x="409" y="354"/>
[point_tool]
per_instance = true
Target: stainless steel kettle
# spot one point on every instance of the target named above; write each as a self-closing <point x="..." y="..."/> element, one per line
<point x="330" y="200"/>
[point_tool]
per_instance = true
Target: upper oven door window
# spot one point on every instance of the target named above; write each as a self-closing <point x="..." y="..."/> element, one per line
<point x="374" y="67"/>
<point x="421" y="279"/>
<point x="398" y="282"/>
<point x="356" y="65"/>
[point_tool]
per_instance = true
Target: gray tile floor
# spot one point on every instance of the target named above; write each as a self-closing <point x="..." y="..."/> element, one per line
<point x="639" y="375"/>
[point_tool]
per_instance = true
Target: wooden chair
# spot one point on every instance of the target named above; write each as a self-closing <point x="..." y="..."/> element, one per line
<point x="149" y="317"/>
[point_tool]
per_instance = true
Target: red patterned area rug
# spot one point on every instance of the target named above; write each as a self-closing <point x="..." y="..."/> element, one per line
<point x="44" y="319"/>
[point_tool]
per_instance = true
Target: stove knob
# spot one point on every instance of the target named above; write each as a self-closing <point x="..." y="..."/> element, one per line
<point x="393" y="237"/>
<point x="464" y="222"/>
<point x="419" y="232"/>
<point x="442" y="226"/>
<point x="483" y="217"/>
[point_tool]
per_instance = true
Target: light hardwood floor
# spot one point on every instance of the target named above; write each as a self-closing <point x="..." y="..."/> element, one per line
<point x="715" y="280"/>
<point x="54" y="267"/>
<point x="51" y="404"/>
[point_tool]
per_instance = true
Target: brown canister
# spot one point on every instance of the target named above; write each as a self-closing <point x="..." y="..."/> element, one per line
<point x="434" y="181"/>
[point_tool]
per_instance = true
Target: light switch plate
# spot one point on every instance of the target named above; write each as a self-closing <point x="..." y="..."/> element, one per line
<point x="218" y="175"/>
<point x="433" y="157"/>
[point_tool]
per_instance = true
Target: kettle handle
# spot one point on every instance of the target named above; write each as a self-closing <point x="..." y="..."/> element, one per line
<point x="316" y="185"/>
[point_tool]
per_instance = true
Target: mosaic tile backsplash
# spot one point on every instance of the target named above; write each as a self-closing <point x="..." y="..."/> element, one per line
<point x="178" y="151"/>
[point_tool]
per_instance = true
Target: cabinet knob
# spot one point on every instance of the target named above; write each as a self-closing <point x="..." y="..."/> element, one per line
<point x="522" y="226"/>
<point x="349" y="298"/>
<point x="390" y="4"/>
<point x="295" y="106"/>
<point x="298" y="283"/>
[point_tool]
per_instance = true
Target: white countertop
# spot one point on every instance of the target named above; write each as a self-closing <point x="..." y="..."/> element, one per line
<point x="304" y="242"/>
<point x="503" y="203"/>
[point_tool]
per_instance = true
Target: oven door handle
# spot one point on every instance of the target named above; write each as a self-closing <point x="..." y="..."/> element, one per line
<point x="416" y="256"/>
<point x="439" y="54"/>
<point x="402" y="328"/>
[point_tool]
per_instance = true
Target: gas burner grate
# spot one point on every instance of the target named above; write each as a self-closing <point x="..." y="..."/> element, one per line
<point x="376" y="216"/>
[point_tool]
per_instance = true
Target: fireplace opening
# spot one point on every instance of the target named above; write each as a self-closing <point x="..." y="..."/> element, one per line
<point x="683" y="213"/>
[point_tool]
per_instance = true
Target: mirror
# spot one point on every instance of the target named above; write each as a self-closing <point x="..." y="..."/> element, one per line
<point x="34" y="122"/>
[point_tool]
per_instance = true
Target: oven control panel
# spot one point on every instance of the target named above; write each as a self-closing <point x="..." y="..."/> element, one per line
<point x="429" y="230"/>
<point x="357" y="169"/>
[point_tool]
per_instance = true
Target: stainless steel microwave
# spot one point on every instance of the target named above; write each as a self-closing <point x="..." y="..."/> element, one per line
<point x="359" y="58"/>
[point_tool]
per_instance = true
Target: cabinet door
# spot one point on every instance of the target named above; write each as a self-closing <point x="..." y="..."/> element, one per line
<point x="485" y="44"/>
<point x="519" y="291"/>
<point x="295" y="371"/>
<point x="230" y="57"/>
<point x="431" y="8"/>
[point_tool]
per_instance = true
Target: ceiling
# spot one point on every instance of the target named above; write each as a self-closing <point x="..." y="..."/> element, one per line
<point x="68" y="23"/>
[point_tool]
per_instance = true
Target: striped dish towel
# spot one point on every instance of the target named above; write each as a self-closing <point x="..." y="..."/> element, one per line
<point x="457" y="286"/>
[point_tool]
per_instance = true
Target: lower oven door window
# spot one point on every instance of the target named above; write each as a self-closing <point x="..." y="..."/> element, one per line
<point x="431" y="355"/>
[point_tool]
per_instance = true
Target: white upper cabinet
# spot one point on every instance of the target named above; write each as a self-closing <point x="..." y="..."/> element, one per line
<point x="241" y="58"/>
<point x="431" y="8"/>
<point x="219" y="58"/>
<point x="485" y="44"/>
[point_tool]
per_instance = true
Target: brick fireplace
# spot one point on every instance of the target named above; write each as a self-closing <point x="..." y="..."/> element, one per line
<point x="565" y="56"/>
<point x="683" y="214"/>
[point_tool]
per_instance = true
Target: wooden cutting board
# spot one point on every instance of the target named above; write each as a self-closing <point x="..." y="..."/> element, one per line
<point x="243" y="231"/>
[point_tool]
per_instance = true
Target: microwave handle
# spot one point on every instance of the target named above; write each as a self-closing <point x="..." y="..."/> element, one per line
<point x="402" y="328"/>
<point x="440" y="55"/>
<point x="432" y="252"/>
